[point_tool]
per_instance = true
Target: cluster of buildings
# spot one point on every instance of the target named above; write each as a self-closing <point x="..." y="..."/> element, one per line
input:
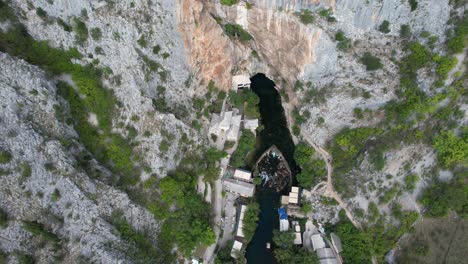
<point x="327" y="252"/>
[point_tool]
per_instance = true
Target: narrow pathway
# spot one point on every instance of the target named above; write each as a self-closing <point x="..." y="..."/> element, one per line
<point x="330" y="191"/>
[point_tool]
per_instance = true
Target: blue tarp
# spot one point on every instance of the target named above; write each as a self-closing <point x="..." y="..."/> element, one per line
<point x="282" y="213"/>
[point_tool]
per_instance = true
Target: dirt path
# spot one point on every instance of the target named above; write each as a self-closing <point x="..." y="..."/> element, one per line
<point x="330" y="191"/>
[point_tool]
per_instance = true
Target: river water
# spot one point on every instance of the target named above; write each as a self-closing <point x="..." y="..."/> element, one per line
<point x="276" y="132"/>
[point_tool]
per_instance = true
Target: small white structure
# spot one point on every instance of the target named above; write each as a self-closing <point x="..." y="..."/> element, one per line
<point x="236" y="249"/>
<point x="240" y="82"/>
<point x="317" y="242"/>
<point x="284" y="225"/>
<point x="240" y="226"/>
<point x="294" y="195"/>
<point x="233" y="132"/>
<point x="243" y="175"/>
<point x="226" y="125"/>
<point x="251" y="124"/>
<point x="297" y="239"/>
<point x="284" y="199"/>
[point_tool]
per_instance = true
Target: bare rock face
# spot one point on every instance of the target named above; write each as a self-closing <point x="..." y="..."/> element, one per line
<point x="43" y="181"/>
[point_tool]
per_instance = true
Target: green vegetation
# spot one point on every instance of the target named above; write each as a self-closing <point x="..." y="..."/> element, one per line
<point x="81" y="31"/>
<point x="385" y="27"/>
<point x="237" y="32"/>
<point x="228" y="2"/>
<point x="212" y="156"/>
<point x="142" y="41"/>
<point x="109" y="148"/>
<point x="41" y="13"/>
<point x="250" y="221"/>
<point x="410" y="181"/>
<point x="360" y="246"/>
<point x="245" y="145"/>
<point x="96" y="34"/>
<point x="306" y="17"/>
<point x="413" y="4"/>
<point x="405" y="31"/>
<point x="444" y="65"/>
<point x="55" y="195"/>
<point x="186" y="214"/>
<point x="38" y="229"/>
<point x="3" y="218"/>
<point x="451" y="149"/>
<point x="457" y="41"/>
<point x="441" y="197"/>
<point x="5" y="156"/>
<point x="372" y="63"/>
<point x="141" y="247"/>
<point x="24" y="259"/>
<point x="286" y="252"/>
<point x="312" y="170"/>
<point x="247" y="100"/>
<point x="344" y="43"/>
<point x="328" y="14"/>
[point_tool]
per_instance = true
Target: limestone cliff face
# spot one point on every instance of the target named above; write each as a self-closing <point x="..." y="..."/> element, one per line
<point x="211" y="54"/>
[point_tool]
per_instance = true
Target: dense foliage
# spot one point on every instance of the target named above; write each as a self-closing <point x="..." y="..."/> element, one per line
<point x="247" y="100"/>
<point x="457" y="42"/>
<point x="452" y="149"/>
<point x="245" y="145"/>
<point x="236" y="31"/>
<point x="3" y="218"/>
<point x="385" y="27"/>
<point x="286" y="252"/>
<point x="185" y="213"/>
<point x="312" y="169"/>
<point x="359" y="246"/>
<point x="250" y="221"/>
<point x="5" y="156"/>
<point x="228" y="2"/>
<point x="441" y="197"/>
<point x="306" y="17"/>
<point x="371" y="62"/>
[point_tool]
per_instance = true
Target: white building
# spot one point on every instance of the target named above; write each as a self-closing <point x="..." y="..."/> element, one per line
<point x="236" y="249"/>
<point x="243" y="175"/>
<point x="226" y="125"/>
<point x="240" y="82"/>
<point x="294" y="195"/>
<point x="251" y="124"/>
<point x="240" y="226"/>
<point x="317" y="241"/>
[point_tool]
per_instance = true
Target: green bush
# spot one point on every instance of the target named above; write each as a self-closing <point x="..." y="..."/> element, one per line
<point x="250" y="221"/>
<point x="41" y="13"/>
<point x="81" y="31"/>
<point x="306" y="17"/>
<point x="312" y="170"/>
<point x="413" y="4"/>
<point x="245" y="145"/>
<point x="410" y="181"/>
<point x="385" y="27"/>
<point x="451" y="149"/>
<point x="457" y="42"/>
<point x="441" y="197"/>
<point x="236" y="31"/>
<point x="3" y="218"/>
<point x="38" y="229"/>
<point x="142" y="41"/>
<point x="228" y="2"/>
<point x="96" y="33"/>
<point x="5" y="157"/>
<point x="371" y="62"/>
<point x="405" y="31"/>
<point x="444" y="65"/>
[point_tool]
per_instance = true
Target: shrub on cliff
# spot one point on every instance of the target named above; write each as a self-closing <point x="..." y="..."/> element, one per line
<point x="228" y="2"/>
<point x="372" y="63"/>
<point x="236" y="31"/>
<point x="306" y="17"/>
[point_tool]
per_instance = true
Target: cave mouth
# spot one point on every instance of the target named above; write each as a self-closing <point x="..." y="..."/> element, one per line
<point x="275" y="133"/>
